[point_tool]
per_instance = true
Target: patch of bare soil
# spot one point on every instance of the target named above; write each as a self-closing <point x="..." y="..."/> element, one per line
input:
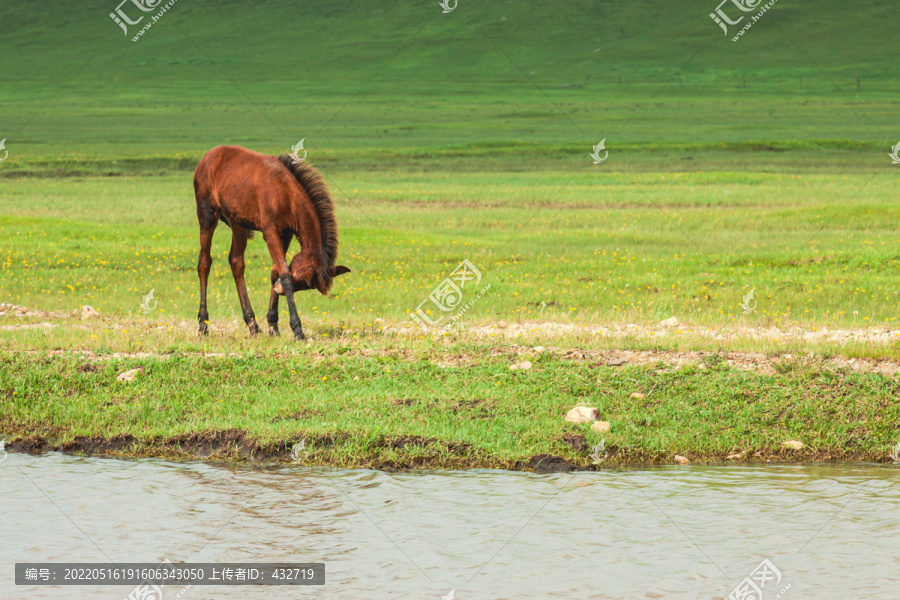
<point x="106" y="356"/>
<point x="663" y="334"/>
<point x="665" y="331"/>
<point x="28" y="326"/>
<point x="748" y="361"/>
<point x="665" y="359"/>
<point x="670" y="333"/>
<point x="14" y="310"/>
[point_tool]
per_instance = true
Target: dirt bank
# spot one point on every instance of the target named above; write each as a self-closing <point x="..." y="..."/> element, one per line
<point x="325" y="450"/>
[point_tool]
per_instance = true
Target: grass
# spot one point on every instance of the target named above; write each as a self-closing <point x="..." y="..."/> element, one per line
<point x="500" y="72"/>
<point x="402" y="408"/>
<point x="607" y="247"/>
<point x="759" y="166"/>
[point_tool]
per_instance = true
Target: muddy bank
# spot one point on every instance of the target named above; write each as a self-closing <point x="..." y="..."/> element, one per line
<point x="423" y="453"/>
<point x="236" y="446"/>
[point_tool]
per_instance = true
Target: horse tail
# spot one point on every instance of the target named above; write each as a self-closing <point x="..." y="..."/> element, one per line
<point x="311" y="180"/>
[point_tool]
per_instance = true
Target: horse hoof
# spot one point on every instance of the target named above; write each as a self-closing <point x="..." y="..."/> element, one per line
<point x="273" y="331"/>
<point x="298" y="335"/>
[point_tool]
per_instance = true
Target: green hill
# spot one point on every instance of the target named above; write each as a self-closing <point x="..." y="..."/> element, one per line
<point x="367" y="80"/>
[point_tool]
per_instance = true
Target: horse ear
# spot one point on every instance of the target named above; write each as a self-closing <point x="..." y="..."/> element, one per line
<point x="340" y="270"/>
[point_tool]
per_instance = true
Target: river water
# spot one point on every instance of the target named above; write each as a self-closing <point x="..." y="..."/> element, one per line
<point x="687" y="532"/>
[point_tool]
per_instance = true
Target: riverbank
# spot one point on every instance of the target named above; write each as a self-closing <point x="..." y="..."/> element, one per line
<point x="450" y="408"/>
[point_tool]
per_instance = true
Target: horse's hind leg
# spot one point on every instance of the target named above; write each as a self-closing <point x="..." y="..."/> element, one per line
<point x="208" y="222"/>
<point x="236" y="259"/>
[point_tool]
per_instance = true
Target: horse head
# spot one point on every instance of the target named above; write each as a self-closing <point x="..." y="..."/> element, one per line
<point x="306" y="276"/>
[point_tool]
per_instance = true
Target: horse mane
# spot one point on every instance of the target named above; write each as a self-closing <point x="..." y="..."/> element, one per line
<point x="311" y="180"/>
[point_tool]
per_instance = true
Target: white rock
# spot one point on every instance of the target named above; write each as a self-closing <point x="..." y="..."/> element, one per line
<point x="524" y="366"/>
<point x="582" y="414"/>
<point x="670" y="322"/>
<point x="539" y="349"/>
<point x="600" y="426"/>
<point x="89" y="312"/>
<point x="681" y="460"/>
<point x="130" y="374"/>
<point x="793" y="445"/>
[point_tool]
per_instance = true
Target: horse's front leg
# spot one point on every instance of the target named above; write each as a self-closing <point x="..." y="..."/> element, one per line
<point x="279" y="266"/>
<point x="287" y="284"/>
<point x="272" y="315"/>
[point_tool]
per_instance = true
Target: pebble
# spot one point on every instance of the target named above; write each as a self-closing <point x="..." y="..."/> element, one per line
<point x="130" y="374"/>
<point x="582" y="414"/>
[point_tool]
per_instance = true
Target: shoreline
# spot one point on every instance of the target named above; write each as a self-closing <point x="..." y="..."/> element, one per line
<point x="234" y="447"/>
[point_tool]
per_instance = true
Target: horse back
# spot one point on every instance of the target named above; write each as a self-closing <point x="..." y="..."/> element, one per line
<point x="242" y="186"/>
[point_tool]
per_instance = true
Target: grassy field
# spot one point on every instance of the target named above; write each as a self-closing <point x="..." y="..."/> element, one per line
<point x="602" y="249"/>
<point x="760" y="165"/>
